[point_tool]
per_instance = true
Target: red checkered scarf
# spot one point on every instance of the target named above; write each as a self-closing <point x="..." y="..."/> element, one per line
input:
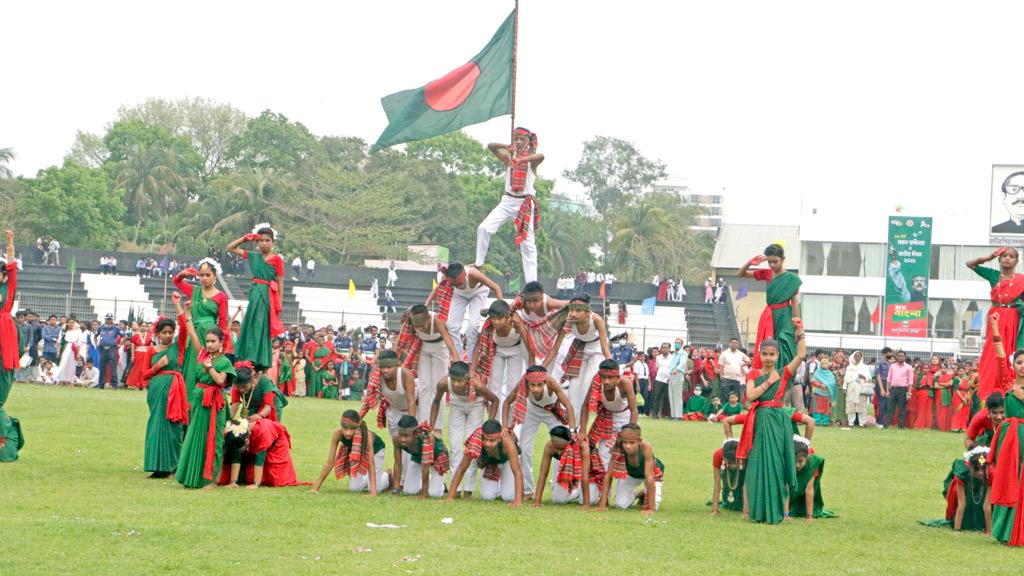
<point x="529" y="211"/>
<point x="519" y="407"/>
<point x="408" y="345"/>
<point x="573" y="361"/>
<point x="375" y="398"/>
<point x="543" y="332"/>
<point x="570" y="466"/>
<point x="439" y="462"/>
<point x="603" y="427"/>
<point x="517" y="179"/>
<point x="354" y="460"/>
<point x="443" y="296"/>
<point x="487" y="347"/>
<point x="474" y="448"/>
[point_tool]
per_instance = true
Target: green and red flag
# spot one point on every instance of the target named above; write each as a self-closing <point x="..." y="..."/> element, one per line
<point x="472" y="93"/>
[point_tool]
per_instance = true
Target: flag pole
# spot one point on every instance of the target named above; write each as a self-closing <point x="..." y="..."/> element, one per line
<point x="515" y="58"/>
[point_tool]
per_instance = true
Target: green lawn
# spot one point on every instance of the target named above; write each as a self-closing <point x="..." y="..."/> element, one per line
<point x="77" y="502"/>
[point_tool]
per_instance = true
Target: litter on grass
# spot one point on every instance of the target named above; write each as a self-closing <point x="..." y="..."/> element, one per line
<point x="388" y="526"/>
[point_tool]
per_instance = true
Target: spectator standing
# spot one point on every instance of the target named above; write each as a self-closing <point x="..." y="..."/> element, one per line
<point x="392" y="276"/>
<point x="680" y="291"/>
<point x="661" y="376"/>
<point x="40" y="251"/>
<point x="54" y="250"/>
<point x="391" y="304"/>
<point x="709" y="291"/>
<point x="733" y="362"/>
<point x="622" y="353"/>
<point x="109" y="336"/>
<point x="591" y="283"/>
<point x="643" y="381"/>
<point x="311" y="267"/>
<point x="51" y="335"/>
<point x="609" y="281"/>
<point x="375" y="290"/>
<point x="140" y="267"/>
<point x="720" y="291"/>
<point x="882" y="387"/>
<point x="900" y="378"/>
<point x="297" y="268"/>
<point x="581" y="280"/>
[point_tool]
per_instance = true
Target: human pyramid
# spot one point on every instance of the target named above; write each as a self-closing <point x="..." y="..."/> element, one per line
<point x="215" y="415"/>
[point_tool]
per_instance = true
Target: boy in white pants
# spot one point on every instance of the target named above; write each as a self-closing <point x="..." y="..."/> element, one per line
<point x="519" y="202"/>
<point x="538" y="400"/>
<point x="436" y="351"/>
<point x="588" y="349"/>
<point x="428" y="461"/>
<point x="461" y="296"/>
<point x="633" y="466"/>
<point x="466" y="413"/>
<point x="503" y="351"/>
<point x="495" y="452"/>
<point x="616" y="407"/>
<point x="357" y="453"/>
<point x="577" y="478"/>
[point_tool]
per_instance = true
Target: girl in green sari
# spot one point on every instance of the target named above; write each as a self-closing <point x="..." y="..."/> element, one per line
<point x="1006" y="456"/>
<point x="168" y="404"/>
<point x="263" y="314"/>
<point x="10" y="345"/>
<point x="805" y="500"/>
<point x="968" y="498"/>
<point x="321" y="366"/>
<point x="767" y="439"/>
<point x="209" y="309"/>
<point x="201" y="453"/>
<point x="780" y="297"/>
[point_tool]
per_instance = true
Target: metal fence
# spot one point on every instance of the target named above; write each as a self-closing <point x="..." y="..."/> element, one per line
<point x="78" y="305"/>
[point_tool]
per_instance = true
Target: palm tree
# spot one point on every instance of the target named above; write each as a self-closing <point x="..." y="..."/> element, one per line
<point x="151" y="183"/>
<point x="246" y="197"/>
<point x="6" y="155"/>
<point x="640" y="238"/>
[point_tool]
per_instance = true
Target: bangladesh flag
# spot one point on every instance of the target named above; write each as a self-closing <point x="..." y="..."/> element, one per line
<point x="472" y="93"/>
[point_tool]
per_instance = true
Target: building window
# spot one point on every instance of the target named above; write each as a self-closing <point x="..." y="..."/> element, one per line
<point x="844" y="259"/>
<point x="813" y="259"/>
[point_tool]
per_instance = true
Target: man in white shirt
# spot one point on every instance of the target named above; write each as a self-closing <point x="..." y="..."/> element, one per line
<point x="659" y="395"/>
<point x="311" y="267"/>
<point x="591" y="281"/>
<point x="732" y="362"/>
<point x="90" y="376"/>
<point x="609" y="279"/>
<point x="643" y="380"/>
<point x="297" y="268"/>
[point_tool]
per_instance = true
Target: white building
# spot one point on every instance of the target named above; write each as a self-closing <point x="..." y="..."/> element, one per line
<point x="710" y="218"/>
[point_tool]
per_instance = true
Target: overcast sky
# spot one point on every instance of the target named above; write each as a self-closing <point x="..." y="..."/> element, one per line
<point x="854" y="107"/>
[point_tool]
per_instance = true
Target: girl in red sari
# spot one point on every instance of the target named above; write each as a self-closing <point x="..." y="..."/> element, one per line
<point x="1007" y="288"/>
<point x="962" y="395"/>
<point x="142" y="350"/>
<point x="944" y="387"/>
<point x="923" y="398"/>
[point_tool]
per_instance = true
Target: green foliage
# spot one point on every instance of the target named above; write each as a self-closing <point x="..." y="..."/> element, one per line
<point x="123" y="523"/>
<point x="73" y="203"/>
<point x="6" y="155"/>
<point x="614" y="172"/>
<point x="152" y="183"/>
<point x="271" y="141"/>
<point x="458" y="153"/>
<point x="128" y="138"/>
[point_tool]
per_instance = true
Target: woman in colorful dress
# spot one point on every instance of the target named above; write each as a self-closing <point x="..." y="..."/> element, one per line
<point x="923" y="397"/>
<point x="1007" y="289"/>
<point x="962" y="396"/>
<point x="142" y="351"/>
<point x="10" y="356"/>
<point x="263" y="313"/>
<point x="167" y="398"/>
<point x="321" y="367"/>
<point x="209" y="309"/>
<point x="203" y="448"/>
<point x="945" y="382"/>
<point x="767" y="439"/>
<point x="286" y="372"/>
<point x="805" y="500"/>
<point x="780" y="296"/>
<point x="967" y="493"/>
<point x="1006" y="457"/>
<point x="72" y="353"/>
<point x="329" y="389"/>
<point x="823" y="389"/>
<point x="856" y="379"/>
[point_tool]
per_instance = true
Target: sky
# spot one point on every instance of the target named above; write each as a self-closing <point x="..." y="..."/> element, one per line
<point x="852" y="108"/>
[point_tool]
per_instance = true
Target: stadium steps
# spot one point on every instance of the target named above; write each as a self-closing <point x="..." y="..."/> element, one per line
<point x="44" y="289"/>
<point x="237" y="286"/>
<point x="332" y="306"/>
<point x="117" y="294"/>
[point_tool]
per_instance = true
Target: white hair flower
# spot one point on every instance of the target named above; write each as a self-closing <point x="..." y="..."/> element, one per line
<point x="256" y="229"/>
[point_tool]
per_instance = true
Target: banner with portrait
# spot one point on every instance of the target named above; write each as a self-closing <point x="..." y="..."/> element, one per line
<point x="906" y="277"/>
<point x="1006" y="218"/>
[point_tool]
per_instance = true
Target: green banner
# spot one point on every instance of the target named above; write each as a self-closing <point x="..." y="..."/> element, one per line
<point x="906" y="277"/>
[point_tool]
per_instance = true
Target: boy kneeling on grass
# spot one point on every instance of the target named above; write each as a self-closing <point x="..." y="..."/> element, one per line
<point x="428" y="460"/>
<point x="358" y="453"/>
<point x="580" y="472"/>
<point x="633" y="465"/>
<point x="496" y="452"/>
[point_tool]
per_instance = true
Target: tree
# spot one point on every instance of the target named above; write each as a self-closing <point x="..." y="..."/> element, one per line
<point x="613" y="172"/>
<point x="88" y="150"/>
<point x="210" y="127"/>
<point x="458" y="154"/>
<point x="565" y="241"/>
<point x="241" y="199"/>
<point x="152" y="186"/>
<point x="6" y="156"/>
<point x="126" y="138"/>
<point x="72" y="203"/>
<point x="271" y="141"/>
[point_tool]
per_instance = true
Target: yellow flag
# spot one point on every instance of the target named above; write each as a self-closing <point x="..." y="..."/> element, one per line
<point x="351" y="288"/>
<point x="435" y="283"/>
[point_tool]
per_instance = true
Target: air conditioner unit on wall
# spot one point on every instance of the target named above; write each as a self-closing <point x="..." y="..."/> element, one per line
<point x="970" y="342"/>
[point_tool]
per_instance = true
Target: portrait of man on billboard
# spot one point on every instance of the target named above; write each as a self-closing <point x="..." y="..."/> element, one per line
<point x="1012" y="197"/>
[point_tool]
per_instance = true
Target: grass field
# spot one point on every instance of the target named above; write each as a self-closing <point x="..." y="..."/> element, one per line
<point x="77" y="502"/>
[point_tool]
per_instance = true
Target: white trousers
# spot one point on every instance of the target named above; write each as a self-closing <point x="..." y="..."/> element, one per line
<point x="432" y="367"/>
<point x="560" y="495"/>
<point x="507" y="368"/>
<point x="414" y="481"/>
<point x="675" y="394"/>
<point x="463" y="419"/>
<point x="527" y="434"/>
<point x="578" y="388"/>
<point x="361" y="482"/>
<point x="626" y="492"/>
<point x="466" y="307"/>
<point x="506" y="211"/>
<point x="504" y="486"/>
<point x="604" y="447"/>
